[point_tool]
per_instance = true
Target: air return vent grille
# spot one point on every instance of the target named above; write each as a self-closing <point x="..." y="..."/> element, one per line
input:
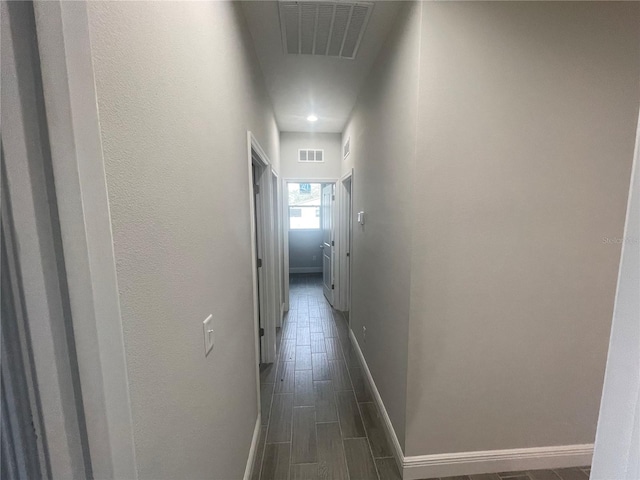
<point x="333" y="29"/>
<point x="312" y="156"/>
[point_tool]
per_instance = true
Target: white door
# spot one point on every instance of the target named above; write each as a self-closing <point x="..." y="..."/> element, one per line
<point x="327" y="240"/>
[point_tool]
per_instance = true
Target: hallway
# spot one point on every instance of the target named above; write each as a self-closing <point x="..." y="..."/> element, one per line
<point x="319" y="420"/>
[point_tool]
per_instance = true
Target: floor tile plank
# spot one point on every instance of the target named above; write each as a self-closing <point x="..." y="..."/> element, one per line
<point x="333" y="348"/>
<point x="281" y="416"/>
<point x="303" y="336"/>
<point x="257" y="461"/>
<point x="348" y="415"/>
<point x="325" y="402"/>
<point x="359" y="461"/>
<point x="288" y="351"/>
<point x="266" y="394"/>
<point x="317" y="343"/>
<point x="268" y="372"/>
<point x="275" y="465"/>
<point x="351" y="356"/>
<point x="543" y="475"/>
<point x="285" y="378"/>
<point x="360" y="386"/>
<point x="388" y="469"/>
<point x="304" y="472"/>
<point x="331" y="460"/>
<point x="339" y="375"/>
<point x="303" y="357"/>
<point x="571" y="474"/>
<point x="320" y="366"/>
<point x="373" y="425"/>
<point x="304" y="394"/>
<point x="304" y="447"/>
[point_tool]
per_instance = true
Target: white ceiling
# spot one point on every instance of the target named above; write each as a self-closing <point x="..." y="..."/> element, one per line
<point x="303" y="84"/>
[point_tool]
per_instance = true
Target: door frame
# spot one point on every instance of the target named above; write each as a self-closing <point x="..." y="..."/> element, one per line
<point x="285" y="227"/>
<point x="77" y="163"/>
<point x="266" y="305"/>
<point x="278" y="271"/>
<point x="345" y="243"/>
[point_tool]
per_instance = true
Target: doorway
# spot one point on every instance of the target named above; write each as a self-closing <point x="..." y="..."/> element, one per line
<point x="266" y="273"/>
<point x="310" y="234"/>
<point x="346" y="248"/>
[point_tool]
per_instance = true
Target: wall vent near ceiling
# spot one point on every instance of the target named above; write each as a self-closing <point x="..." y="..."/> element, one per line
<point x="346" y="150"/>
<point x="333" y="29"/>
<point x="311" y="156"/>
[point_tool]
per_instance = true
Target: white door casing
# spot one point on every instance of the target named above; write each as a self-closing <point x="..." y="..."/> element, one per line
<point x="328" y="243"/>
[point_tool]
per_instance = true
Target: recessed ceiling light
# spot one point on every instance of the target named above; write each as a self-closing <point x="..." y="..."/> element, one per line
<point x="312" y="118"/>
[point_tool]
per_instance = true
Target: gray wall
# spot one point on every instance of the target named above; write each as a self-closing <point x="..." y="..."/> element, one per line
<point x="527" y="128"/>
<point x="303" y="246"/>
<point x="178" y="88"/>
<point x="505" y="170"/>
<point x="290" y="142"/>
<point x="382" y="132"/>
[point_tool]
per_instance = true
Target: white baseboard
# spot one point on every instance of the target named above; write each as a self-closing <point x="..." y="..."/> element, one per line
<point x="305" y="269"/>
<point x="494" y="461"/>
<point x="469" y="463"/>
<point x="391" y="433"/>
<point x="252" y="449"/>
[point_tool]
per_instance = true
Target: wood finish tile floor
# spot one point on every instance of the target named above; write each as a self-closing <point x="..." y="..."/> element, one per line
<point x="318" y="416"/>
<point x="319" y="420"/>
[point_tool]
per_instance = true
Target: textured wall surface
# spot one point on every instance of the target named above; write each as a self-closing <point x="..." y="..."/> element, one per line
<point x="527" y="127"/>
<point x="291" y="142"/>
<point x="178" y="88"/>
<point x="382" y="132"/>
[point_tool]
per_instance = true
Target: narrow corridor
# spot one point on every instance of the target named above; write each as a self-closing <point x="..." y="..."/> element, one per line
<point x="319" y="420"/>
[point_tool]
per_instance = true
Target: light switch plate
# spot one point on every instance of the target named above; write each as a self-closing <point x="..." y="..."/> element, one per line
<point x="207" y="327"/>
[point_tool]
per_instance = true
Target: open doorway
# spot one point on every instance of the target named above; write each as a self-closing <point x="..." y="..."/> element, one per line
<point x="345" y="220"/>
<point x="265" y="247"/>
<point x="311" y="234"/>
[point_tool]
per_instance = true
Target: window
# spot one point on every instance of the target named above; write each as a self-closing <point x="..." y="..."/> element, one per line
<point x="304" y="206"/>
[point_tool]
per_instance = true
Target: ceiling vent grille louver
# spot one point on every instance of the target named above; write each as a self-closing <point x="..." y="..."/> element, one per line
<point x="308" y="155"/>
<point x="333" y="29"/>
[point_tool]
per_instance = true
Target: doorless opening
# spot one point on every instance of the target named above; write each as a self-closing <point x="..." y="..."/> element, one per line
<point x="310" y="232"/>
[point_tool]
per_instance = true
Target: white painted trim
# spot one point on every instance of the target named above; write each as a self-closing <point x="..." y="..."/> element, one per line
<point x="344" y="216"/>
<point x="469" y="463"/>
<point x="266" y="304"/>
<point x="493" y="461"/>
<point x="85" y="222"/>
<point x="253" y="449"/>
<point x="391" y="433"/>
<point x="310" y="180"/>
<point x="305" y="269"/>
<point x="42" y="321"/>
<point x="276" y="227"/>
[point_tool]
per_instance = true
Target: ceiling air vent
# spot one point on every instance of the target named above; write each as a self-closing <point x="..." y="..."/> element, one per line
<point x="333" y="29"/>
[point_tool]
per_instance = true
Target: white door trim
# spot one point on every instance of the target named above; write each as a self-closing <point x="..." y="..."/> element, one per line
<point x="342" y="244"/>
<point x="85" y="222"/>
<point x="266" y="303"/>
